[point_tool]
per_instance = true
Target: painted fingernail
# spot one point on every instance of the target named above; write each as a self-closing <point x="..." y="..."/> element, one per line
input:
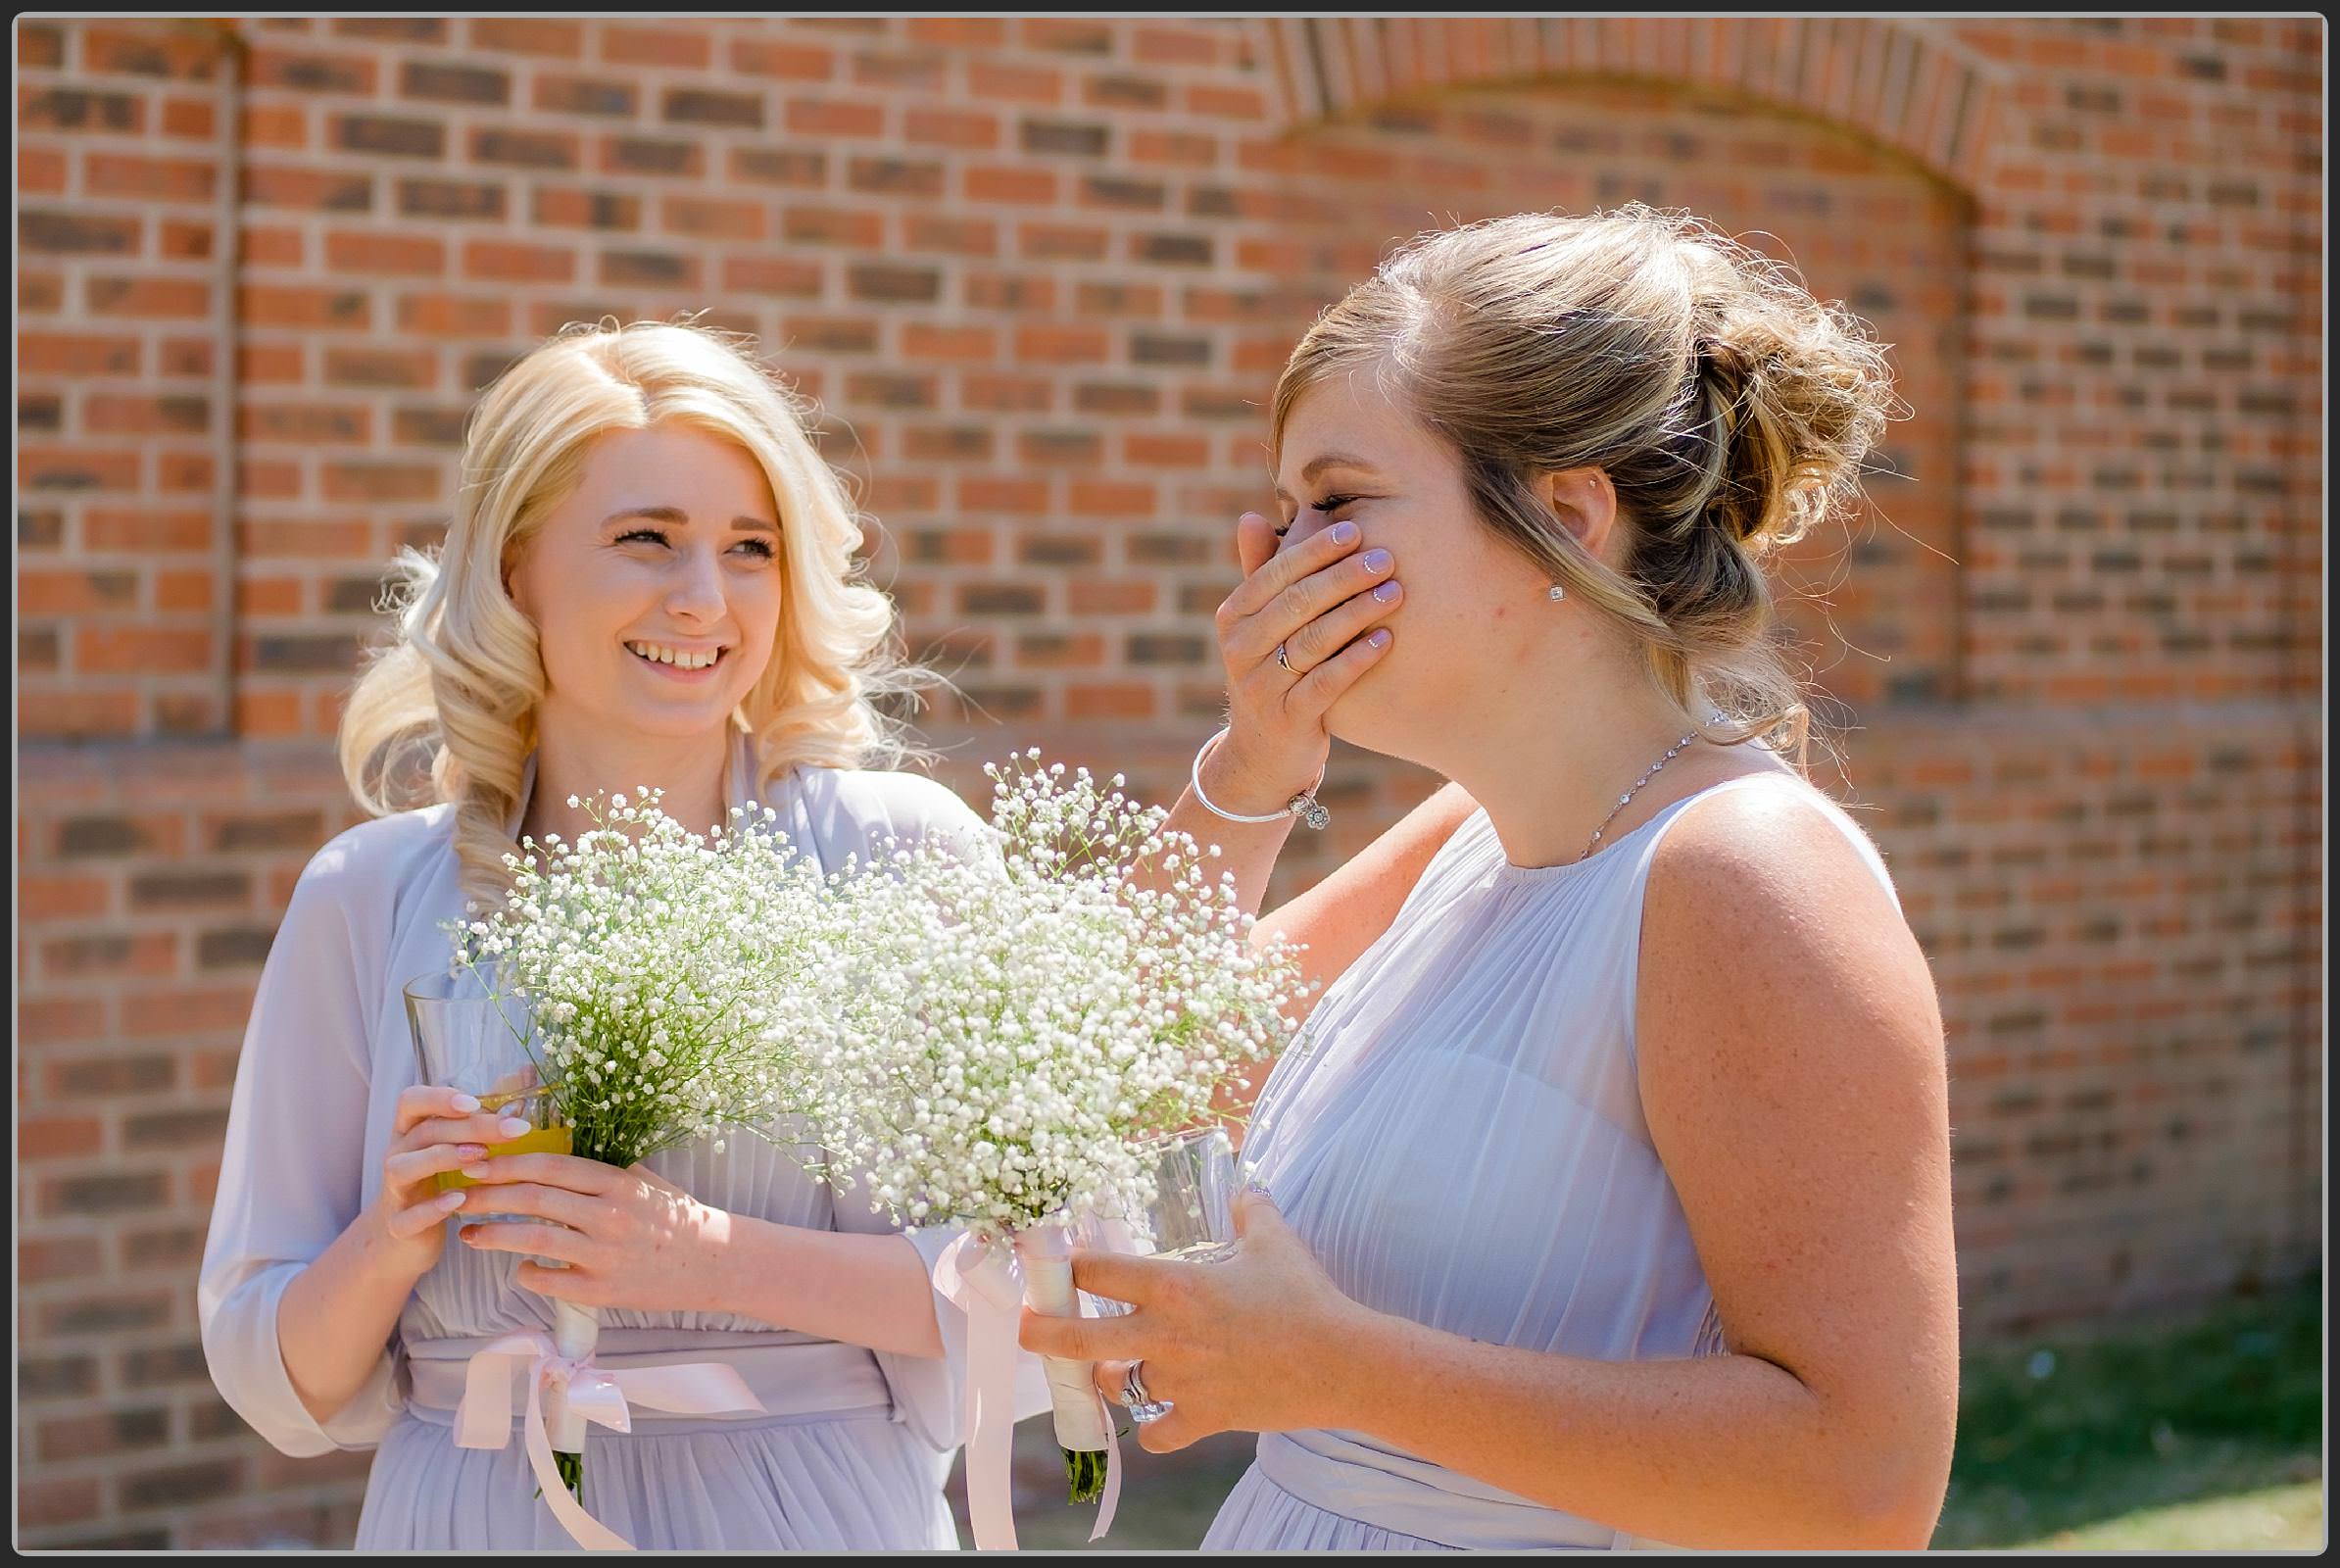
<point x="451" y="1202"/>
<point x="1343" y="533"/>
<point x="1376" y="560"/>
<point x="1388" y="592"/>
<point x="512" y="1126"/>
<point x="469" y="1151"/>
<point x="1378" y="637"/>
<point x="465" y="1104"/>
<point x="475" y="1172"/>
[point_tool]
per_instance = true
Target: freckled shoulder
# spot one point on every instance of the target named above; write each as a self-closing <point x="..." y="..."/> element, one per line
<point x="1768" y="918"/>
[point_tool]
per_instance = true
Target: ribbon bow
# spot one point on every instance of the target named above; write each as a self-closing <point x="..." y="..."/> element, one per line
<point x="978" y="1273"/>
<point x="483" y="1415"/>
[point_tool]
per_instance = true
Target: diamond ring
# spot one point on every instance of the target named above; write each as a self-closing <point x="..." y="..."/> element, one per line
<point x="1133" y="1388"/>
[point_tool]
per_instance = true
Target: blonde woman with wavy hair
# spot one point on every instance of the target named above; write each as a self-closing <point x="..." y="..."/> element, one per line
<point x="1606" y="1199"/>
<point x="649" y="579"/>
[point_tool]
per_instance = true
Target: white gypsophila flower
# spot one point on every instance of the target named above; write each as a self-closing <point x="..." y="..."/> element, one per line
<point x="668" y="974"/>
<point x="1007" y="1032"/>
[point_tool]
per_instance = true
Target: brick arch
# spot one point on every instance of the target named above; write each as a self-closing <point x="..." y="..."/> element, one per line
<point x="1896" y="82"/>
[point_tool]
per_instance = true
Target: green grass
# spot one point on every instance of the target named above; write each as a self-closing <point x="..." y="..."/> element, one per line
<point x="2199" y="1435"/>
<point x="2276" y="1519"/>
<point x="2133" y="1435"/>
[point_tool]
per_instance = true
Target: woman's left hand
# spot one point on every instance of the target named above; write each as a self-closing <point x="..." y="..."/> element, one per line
<point x="1250" y="1343"/>
<point x="630" y="1237"/>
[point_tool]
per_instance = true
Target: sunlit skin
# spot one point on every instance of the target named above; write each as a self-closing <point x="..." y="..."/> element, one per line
<point x="1541" y="714"/>
<point x="671" y="537"/>
<point x="1788" y="1037"/>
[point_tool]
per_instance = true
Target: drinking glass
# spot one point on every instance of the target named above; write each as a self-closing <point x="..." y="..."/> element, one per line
<point x="1191" y="1219"/>
<point x="484" y="1044"/>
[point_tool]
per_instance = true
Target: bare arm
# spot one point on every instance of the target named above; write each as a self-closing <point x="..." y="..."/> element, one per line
<point x="337" y="1314"/>
<point x="1338" y="918"/>
<point x="633" y="1239"/>
<point x="1313" y="602"/>
<point x="868" y="1289"/>
<point x="1347" y="911"/>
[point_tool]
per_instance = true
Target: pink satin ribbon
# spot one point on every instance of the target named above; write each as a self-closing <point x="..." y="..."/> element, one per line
<point x="978" y="1273"/>
<point x="483" y="1415"/>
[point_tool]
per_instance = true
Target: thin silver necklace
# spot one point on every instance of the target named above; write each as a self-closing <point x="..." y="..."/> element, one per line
<point x="1672" y="752"/>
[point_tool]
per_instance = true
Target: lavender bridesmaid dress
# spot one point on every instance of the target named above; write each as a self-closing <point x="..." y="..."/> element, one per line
<point x="1462" y="1144"/>
<point x="854" y="1444"/>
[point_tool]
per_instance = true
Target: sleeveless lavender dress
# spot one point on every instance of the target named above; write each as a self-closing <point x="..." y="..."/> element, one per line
<point x="1461" y="1144"/>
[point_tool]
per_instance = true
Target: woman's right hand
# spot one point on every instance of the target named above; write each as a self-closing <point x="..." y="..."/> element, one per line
<point x="1317" y="601"/>
<point x="436" y="1129"/>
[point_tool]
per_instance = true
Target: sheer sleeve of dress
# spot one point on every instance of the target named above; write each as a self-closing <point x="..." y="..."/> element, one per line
<point x="291" y="1178"/>
<point x="856" y="819"/>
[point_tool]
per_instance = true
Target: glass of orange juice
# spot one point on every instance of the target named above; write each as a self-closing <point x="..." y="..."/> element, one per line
<point x="486" y="1045"/>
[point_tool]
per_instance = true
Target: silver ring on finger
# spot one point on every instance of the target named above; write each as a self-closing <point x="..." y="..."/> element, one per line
<point x="1283" y="663"/>
<point x="1133" y="1388"/>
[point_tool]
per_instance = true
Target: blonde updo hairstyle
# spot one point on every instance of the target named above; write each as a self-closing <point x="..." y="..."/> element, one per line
<point x="462" y="679"/>
<point x="1730" y="409"/>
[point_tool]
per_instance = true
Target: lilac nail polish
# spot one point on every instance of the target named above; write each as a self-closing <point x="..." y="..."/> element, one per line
<point x="1376" y="560"/>
<point x="1343" y="533"/>
<point x="1387" y="591"/>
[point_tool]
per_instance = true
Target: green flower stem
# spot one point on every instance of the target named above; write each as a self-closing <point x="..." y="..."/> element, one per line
<point x="573" y="1476"/>
<point x="1084" y="1470"/>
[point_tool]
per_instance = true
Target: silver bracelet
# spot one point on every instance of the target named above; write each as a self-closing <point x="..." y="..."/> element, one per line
<point x="1303" y="805"/>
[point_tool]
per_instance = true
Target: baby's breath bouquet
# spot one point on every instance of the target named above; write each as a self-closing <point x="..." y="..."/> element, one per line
<point x="1017" y="1027"/>
<point x="669" y="975"/>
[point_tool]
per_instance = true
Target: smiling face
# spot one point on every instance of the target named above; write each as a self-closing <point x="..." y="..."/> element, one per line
<point x="655" y="586"/>
<point x="1469" y="631"/>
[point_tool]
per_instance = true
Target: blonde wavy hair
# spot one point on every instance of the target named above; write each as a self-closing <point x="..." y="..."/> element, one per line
<point x="1729" y="409"/>
<point x="461" y="680"/>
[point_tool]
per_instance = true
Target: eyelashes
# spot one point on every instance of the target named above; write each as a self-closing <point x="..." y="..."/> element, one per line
<point x="1328" y="504"/>
<point x="763" y="548"/>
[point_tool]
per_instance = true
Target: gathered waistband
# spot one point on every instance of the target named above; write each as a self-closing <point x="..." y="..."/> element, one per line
<point x="796" y="1378"/>
<point x="1412" y="1497"/>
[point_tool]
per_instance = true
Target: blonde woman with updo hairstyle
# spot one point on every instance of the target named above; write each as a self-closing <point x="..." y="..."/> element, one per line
<point x="649" y="580"/>
<point x="1605" y="1201"/>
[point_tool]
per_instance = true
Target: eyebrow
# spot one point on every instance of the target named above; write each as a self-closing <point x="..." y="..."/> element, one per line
<point x="1330" y="459"/>
<point x="678" y="517"/>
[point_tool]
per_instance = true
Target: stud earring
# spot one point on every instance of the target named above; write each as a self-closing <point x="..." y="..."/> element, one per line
<point x="1558" y="591"/>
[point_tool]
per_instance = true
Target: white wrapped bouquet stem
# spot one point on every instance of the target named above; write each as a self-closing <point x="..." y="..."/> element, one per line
<point x="1044" y="1253"/>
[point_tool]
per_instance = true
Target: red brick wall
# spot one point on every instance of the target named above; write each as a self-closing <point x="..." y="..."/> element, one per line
<point x="1042" y="273"/>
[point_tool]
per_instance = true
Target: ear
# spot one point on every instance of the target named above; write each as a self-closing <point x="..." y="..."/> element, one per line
<point x="1584" y="500"/>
